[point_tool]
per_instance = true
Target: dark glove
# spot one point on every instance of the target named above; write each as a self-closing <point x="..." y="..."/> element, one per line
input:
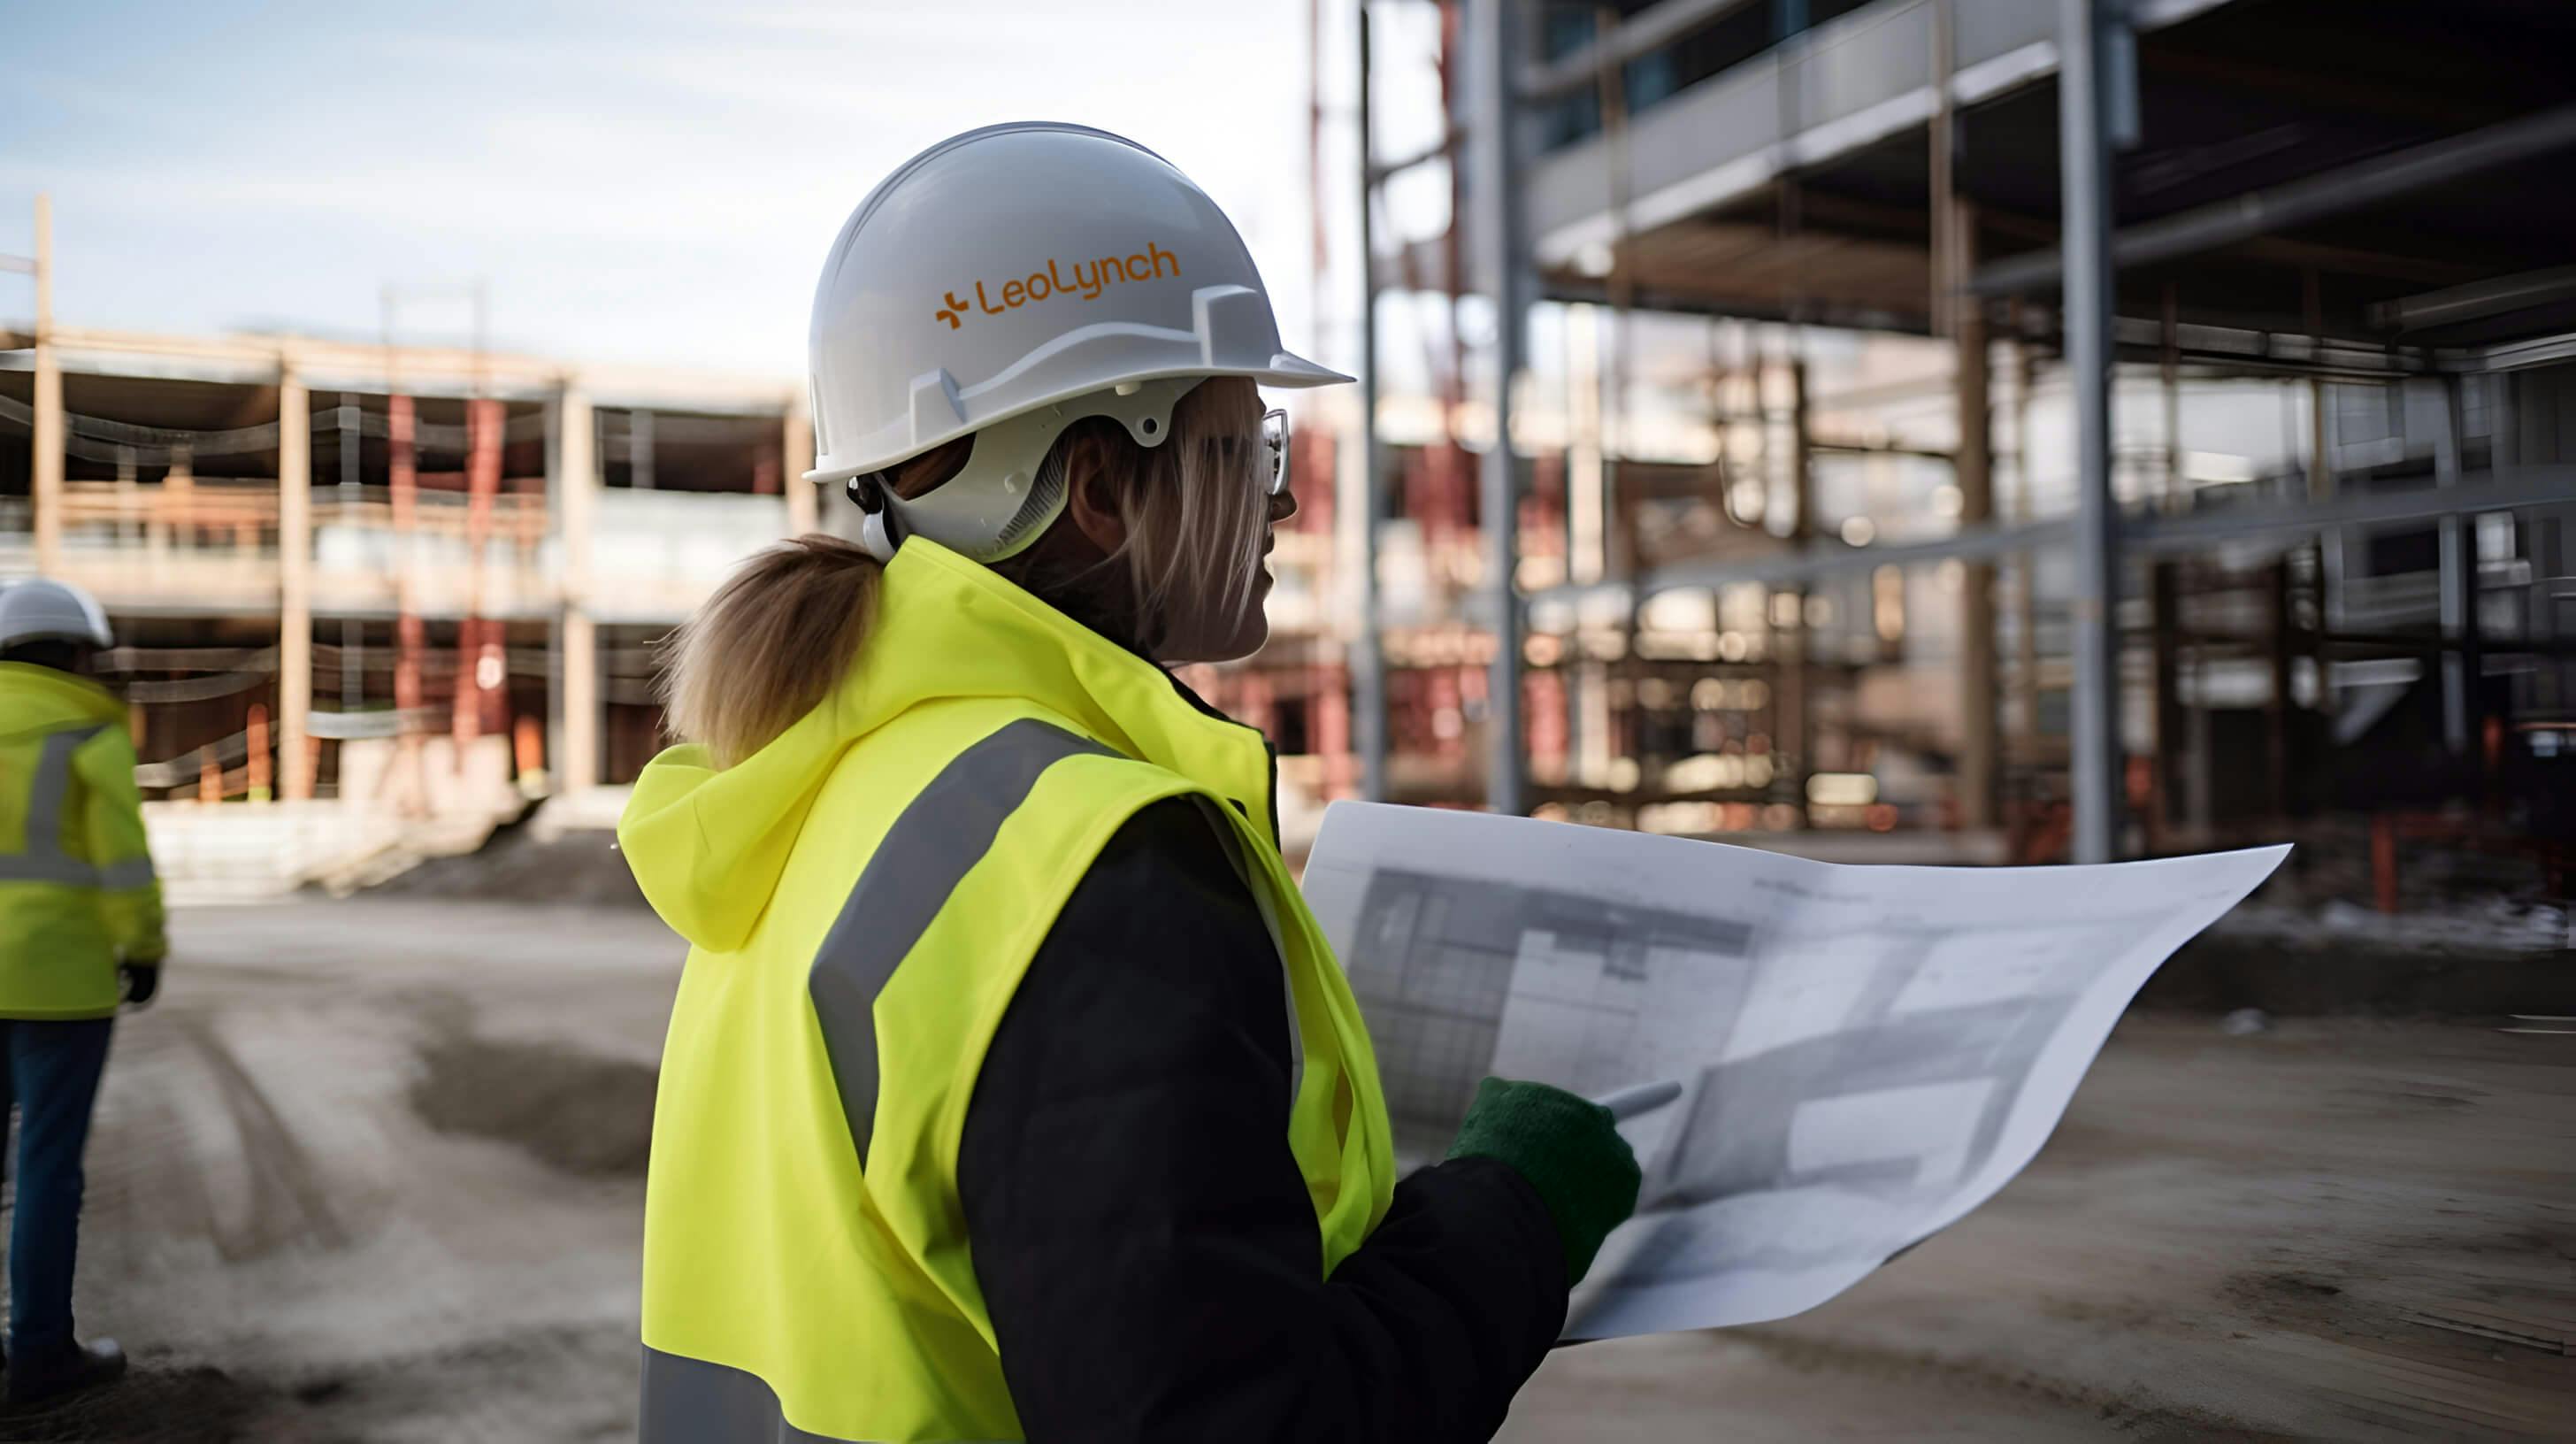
<point x="1570" y="1151"/>
<point x="142" y="980"/>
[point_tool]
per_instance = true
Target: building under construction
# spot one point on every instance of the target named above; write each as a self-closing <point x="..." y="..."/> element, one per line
<point x="394" y="594"/>
<point x="1824" y="535"/>
<point x="2067" y="428"/>
<point x="398" y="590"/>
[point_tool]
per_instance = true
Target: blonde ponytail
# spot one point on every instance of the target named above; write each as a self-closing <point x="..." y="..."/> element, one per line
<point x="773" y="641"/>
<point x="781" y="633"/>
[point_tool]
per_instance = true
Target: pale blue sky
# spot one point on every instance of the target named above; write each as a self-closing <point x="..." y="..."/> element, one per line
<point x="648" y="182"/>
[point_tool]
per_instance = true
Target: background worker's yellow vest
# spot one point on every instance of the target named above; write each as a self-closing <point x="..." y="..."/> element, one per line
<point x="77" y="894"/>
<point x="806" y="1265"/>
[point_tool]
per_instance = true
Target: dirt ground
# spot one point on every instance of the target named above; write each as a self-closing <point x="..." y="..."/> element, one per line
<point x="372" y="1171"/>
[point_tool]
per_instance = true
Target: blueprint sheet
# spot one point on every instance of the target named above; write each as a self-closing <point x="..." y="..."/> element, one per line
<point x="1865" y="1053"/>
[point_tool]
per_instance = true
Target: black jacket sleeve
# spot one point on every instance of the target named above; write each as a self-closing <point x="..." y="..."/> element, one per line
<point x="1143" y="1235"/>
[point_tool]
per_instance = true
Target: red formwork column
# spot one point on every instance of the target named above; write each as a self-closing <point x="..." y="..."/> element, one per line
<point x="480" y="673"/>
<point x="1330" y="708"/>
<point x="1447" y="705"/>
<point x="1253" y="706"/>
<point x="1543" y="694"/>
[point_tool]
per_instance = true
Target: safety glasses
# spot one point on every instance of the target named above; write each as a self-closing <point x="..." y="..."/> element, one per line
<point x="1271" y="461"/>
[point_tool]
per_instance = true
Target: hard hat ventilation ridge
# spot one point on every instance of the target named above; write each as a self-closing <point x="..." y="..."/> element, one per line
<point x="1046" y="495"/>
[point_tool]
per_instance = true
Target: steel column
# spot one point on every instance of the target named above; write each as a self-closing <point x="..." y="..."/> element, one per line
<point x="2084" y="159"/>
<point x="410" y="635"/>
<point x="2458" y="584"/>
<point x="2164" y="609"/>
<point x="1368" y="657"/>
<point x="1495" y="228"/>
<point x="2026" y="563"/>
<point x="576" y="492"/>
<point x="353" y="676"/>
<point x="48" y="429"/>
<point x="1980" y="746"/>
<point x="1795" y="735"/>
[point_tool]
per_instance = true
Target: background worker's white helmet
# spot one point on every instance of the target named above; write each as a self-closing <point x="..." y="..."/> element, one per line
<point x="1005" y="283"/>
<point x="38" y="610"/>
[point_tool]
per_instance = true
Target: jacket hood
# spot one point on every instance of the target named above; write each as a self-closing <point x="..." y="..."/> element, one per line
<point x="41" y="698"/>
<point x="708" y="846"/>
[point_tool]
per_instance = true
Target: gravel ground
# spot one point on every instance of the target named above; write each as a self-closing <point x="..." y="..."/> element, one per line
<point x="371" y="1171"/>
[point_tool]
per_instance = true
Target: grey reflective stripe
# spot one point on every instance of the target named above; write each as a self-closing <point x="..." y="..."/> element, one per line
<point x="131" y="872"/>
<point x="690" y="1401"/>
<point x="939" y="838"/>
<point x="44" y="860"/>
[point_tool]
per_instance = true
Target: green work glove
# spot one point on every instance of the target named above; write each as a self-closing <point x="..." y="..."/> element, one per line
<point x="1569" y="1150"/>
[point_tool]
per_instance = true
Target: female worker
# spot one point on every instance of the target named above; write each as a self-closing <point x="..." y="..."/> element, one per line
<point x="1011" y="1091"/>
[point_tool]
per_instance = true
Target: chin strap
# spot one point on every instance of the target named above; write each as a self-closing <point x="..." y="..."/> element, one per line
<point x="876" y="531"/>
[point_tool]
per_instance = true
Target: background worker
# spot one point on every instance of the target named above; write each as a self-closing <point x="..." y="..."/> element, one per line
<point x="1011" y="1090"/>
<point x="80" y="910"/>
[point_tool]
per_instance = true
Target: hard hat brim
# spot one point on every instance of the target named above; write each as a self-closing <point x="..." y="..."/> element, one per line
<point x="1284" y="369"/>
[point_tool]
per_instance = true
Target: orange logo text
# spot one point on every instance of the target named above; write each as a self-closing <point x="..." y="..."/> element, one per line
<point x="1088" y="280"/>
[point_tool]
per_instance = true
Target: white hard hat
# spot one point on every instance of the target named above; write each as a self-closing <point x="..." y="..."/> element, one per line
<point x="1008" y="282"/>
<point x="38" y="610"/>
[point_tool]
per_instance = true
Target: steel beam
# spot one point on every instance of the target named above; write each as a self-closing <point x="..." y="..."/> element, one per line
<point x="1447" y="145"/>
<point x="1648" y="31"/>
<point x="2476" y="492"/>
<point x="2475" y="301"/>
<point x="2300" y="202"/>
<point x="2084" y="163"/>
<point x="1829" y="558"/>
<point x="2509" y="355"/>
<point x="2517" y="489"/>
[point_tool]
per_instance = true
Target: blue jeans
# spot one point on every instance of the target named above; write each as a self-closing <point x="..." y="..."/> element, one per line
<point x="51" y="1072"/>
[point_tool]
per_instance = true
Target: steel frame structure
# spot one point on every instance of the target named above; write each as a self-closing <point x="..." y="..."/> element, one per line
<point x="2094" y="63"/>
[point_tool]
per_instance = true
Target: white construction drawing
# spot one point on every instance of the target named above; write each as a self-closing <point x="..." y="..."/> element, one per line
<point x="1865" y="1053"/>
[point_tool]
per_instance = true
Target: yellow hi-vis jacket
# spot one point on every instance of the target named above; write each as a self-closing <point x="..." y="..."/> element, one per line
<point x="863" y="896"/>
<point x="77" y="895"/>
